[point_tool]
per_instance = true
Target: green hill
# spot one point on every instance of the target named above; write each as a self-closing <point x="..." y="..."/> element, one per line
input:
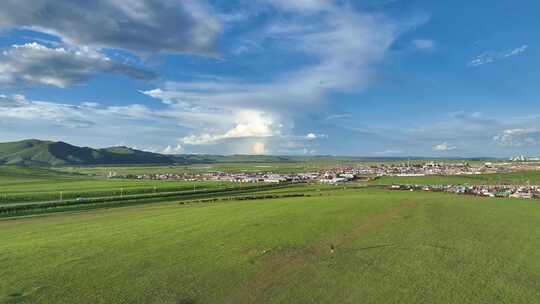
<point x="35" y="152"/>
<point x="48" y="153"/>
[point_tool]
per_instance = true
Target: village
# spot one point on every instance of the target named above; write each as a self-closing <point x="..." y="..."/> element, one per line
<point x="344" y="173"/>
<point x="503" y="191"/>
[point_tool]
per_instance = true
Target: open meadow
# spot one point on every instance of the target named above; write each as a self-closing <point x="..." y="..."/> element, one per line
<point x="24" y="185"/>
<point x="277" y="167"/>
<point x="342" y="246"/>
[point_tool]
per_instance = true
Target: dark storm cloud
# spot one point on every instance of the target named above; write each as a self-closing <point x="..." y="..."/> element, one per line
<point x="141" y="26"/>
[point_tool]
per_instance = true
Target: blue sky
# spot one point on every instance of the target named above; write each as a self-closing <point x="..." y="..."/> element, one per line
<point x="370" y="78"/>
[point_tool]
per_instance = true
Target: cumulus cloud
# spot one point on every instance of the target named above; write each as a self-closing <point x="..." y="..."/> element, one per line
<point x="342" y="48"/>
<point x="443" y="147"/>
<point x="36" y="64"/>
<point x="248" y="124"/>
<point x="140" y="26"/>
<point x="521" y="137"/>
<point x="173" y="149"/>
<point x="491" y="57"/>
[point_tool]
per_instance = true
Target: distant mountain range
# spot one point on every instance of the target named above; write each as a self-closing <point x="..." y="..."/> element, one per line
<point x="35" y="152"/>
<point x="48" y="153"/>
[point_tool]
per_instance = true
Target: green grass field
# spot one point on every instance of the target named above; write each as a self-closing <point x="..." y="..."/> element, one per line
<point x="389" y="247"/>
<point x="284" y="167"/>
<point x="23" y="185"/>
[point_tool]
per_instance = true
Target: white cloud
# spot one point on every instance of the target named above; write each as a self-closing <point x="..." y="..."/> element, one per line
<point x="516" y="51"/>
<point x="311" y="136"/>
<point x="140" y="26"/>
<point x="343" y="45"/>
<point x="443" y="147"/>
<point x="88" y="124"/>
<point x="342" y="48"/>
<point x="491" y="57"/>
<point x="35" y="64"/>
<point x="18" y="107"/>
<point x="248" y="124"/>
<point x="314" y="136"/>
<point x="520" y="137"/>
<point x="473" y="134"/>
<point x="173" y="149"/>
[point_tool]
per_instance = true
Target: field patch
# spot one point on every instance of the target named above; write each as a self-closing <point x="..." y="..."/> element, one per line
<point x="348" y="246"/>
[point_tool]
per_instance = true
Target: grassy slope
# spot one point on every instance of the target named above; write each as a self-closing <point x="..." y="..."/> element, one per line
<point x="392" y="247"/>
<point x="48" y="153"/>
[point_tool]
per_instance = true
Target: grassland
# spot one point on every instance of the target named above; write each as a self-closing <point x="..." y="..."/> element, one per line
<point x="315" y="244"/>
<point x="277" y="167"/>
<point x="389" y="247"/>
<point x="24" y="185"/>
<point x="28" y="191"/>
<point x="23" y="189"/>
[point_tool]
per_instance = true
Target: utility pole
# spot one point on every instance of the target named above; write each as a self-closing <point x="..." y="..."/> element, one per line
<point x="121" y="192"/>
<point x="61" y="194"/>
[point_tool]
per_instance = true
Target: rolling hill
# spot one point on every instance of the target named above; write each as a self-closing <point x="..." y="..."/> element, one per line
<point x="48" y="153"/>
<point x="35" y="152"/>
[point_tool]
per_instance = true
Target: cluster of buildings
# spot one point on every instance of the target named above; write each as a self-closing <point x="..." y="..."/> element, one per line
<point x="332" y="175"/>
<point x="434" y="168"/>
<point x="523" y="158"/>
<point x="421" y="169"/>
<point x="526" y="192"/>
<point x="348" y="172"/>
<point x="245" y="177"/>
<point x="225" y="177"/>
